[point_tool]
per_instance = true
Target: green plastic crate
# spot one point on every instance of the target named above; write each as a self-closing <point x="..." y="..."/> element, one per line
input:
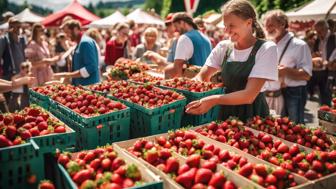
<point x="211" y="115"/>
<point x="326" y="116"/>
<point x="39" y="99"/>
<point x="145" y="122"/>
<point x="19" y="162"/>
<point x="112" y="127"/>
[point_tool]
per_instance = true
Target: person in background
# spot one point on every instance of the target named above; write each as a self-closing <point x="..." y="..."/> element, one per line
<point x="85" y="61"/>
<point x="246" y="62"/>
<point x="20" y="97"/>
<point x="134" y="34"/>
<point x="295" y="66"/>
<point x="323" y="50"/>
<point x="192" y="47"/>
<point x="149" y="44"/>
<point x="12" y="46"/>
<point x="117" y="46"/>
<point x="95" y="34"/>
<point x="37" y="52"/>
<point x="62" y="46"/>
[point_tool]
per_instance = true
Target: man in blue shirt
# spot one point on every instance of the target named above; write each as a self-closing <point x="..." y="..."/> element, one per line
<point x="85" y="67"/>
<point x="192" y="47"/>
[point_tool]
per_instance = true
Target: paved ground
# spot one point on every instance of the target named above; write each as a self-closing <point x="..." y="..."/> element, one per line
<point x="312" y="106"/>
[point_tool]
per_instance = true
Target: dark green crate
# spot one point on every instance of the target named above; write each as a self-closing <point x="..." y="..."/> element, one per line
<point x="112" y="127"/>
<point x="67" y="183"/>
<point x="39" y="99"/>
<point x="15" y="171"/>
<point x="145" y="122"/>
<point x="211" y="115"/>
<point x="326" y="116"/>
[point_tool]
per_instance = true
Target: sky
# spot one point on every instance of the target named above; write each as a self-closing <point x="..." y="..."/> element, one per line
<point x="58" y="4"/>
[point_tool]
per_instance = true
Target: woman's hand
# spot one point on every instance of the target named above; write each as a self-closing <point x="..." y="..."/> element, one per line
<point x="202" y="106"/>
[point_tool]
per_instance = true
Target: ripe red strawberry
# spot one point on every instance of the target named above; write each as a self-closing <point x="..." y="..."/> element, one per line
<point x="183" y="168"/>
<point x="128" y="183"/>
<point x="18" y="140"/>
<point x="95" y="164"/>
<point x="4" y="142"/>
<point x="8" y="119"/>
<point x="151" y="156"/>
<point x="42" y="126"/>
<point x="164" y="153"/>
<point x="246" y="170"/>
<point x="121" y="170"/>
<point x="282" y="148"/>
<point x="217" y="180"/>
<point x="172" y="165"/>
<point x="46" y="184"/>
<point x="317" y="166"/>
<point x="332" y="155"/>
<point x="106" y="164"/>
<point x="261" y="170"/>
<point x="117" y="162"/>
<point x="161" y="140"/>
<point x="293" y="150"/>
<point x="63" y="159"/>
<point x="209" y="165"/>
<point x="199" y="186"/>
<point x="25" y="134"/>
<point x="81" y="176"/>
<point x="229" y="185"/>
<point x="224" y="155"/>
<point x="33" y="112"/>
<point x="193" y="160"/>
<point x="203" y="176"/>
<point x="186" y="179"/>
<point x="266" y="139"/>
<point x="271" y="179"/>
<point x="60" y="129"/>
<point x="311" y="175"/>
<point x="18" y="119"/>
<point x="89" y="157"/>
<point x="116" y="178"/>
<point x="280" y="173"/>
<point x="10" y="132"/>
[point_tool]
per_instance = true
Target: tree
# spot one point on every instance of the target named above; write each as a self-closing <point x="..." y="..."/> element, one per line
<point x="153" y="4"/>
<point x="165" y="8"/>
<point x="3" y="6"/>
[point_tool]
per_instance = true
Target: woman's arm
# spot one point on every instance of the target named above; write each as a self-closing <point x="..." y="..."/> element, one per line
<point x="245" y="96"/>
<point x="6" y="86"/>
<point x="205" y="74"/>
<point x="43" y="62"/>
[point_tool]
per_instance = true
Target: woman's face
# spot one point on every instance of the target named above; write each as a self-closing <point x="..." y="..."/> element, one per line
<point x="150" y="38"/>
<point x="123" y="34"/>
<point x="236" y="27"/>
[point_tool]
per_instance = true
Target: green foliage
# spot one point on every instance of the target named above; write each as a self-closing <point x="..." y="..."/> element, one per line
<point x="166" y="8"/>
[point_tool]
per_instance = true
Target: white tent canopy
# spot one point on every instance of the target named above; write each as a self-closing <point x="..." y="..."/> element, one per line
<point x="27" y="16"/>
<point x="115" y="18"/>
<point x="314" y="10"/>
<point x="214" y="18"/>
<point x="141" y="17"/>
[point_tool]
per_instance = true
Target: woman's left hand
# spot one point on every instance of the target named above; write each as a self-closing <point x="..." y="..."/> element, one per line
<point x="199" y="107"/>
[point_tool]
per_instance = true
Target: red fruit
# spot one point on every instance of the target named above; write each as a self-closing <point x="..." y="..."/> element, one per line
<point x="280" y="173"/>
<point x="324" y="156"/>
<point x="266" y="139"/>
<point x="164" y="153"/>
<point x="246" y="170"/>
<point x="332" y="155"/>
<point x="121" y="170"/>
<point x="117" y="162"/>
<point x="293" y="150"/>
<point x="199" y="186"/>
<point x="42" y="126"/>
<point x="46" y="185"/>
<point x="34" y="112"/>
<point x="282" y="148"/>
<point x="261" y="170"/>
<point x="95" y="164"/>
<point x="8" y="119"/>
<point x="63" y="159"/>
<point x="183" y="168"/>
<point x="60" y="129"/>
<point x="25" y="135"/>
<point x="257" y="179"/>
<point x="4" y="142"/>
<point x="311" y="175"/>
<point x="186" y="179"/>
<point x="110" y="186"/>
<point x="17" y="141"/>
<point x="106" y="164"/>
<point x="151" y="156"/>
<point x="271" y="179"/>
<point x="209" y="165"/>
<point x="229" y="185"/>
<point x="128" y="183"/>
<point x="161" y="140"/>
<point x="317" y="166"/>
<point x="81" y="176"/>
<point x="172" y="165"/>
<point x="11" y="132"/>
<point x="224" y="155"/>
<point x="217" y="180"/>
<point x="193" y="160"/>
<point x="203" y="176"/>
<point x="116" y="178"/>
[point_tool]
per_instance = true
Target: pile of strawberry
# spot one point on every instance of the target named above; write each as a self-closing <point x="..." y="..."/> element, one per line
<point x="186" y="142"/>
<point x="193" y="174"/>
<point x="190" y="85"/>
<point x="100" y="168"/>
<point x="87" y="103"/>
<point x="263" y="146"/>
<point x="49" y="90"/>
<point x="314" y="138"/>
<point x="145" y="78"/>
<point x="17" y="128"/>
<point x="145" y="95"/>
<point x="329" y="109"/>
<point x="125" y="68"/>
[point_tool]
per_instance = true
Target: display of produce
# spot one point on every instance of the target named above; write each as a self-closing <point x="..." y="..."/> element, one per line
<point x="125" y="68"/>
<point x="283" y="128"/>
<point x="190" y="85"/>
<point x="49" y="90"/>
<point x="146" y="95"/>
<point x="144" y="77"/>
<point x="101" y="168"/>
<point x="33" y="121"/>
<point x="311" y="165"/>
<point x="87" y="103"/>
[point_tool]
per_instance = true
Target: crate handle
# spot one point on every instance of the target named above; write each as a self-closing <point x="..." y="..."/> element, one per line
<point x="35" y="146"/>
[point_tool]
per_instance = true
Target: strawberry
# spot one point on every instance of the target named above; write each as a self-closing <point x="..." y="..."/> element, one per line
<point x="128" y="183"/>
<point x="42" y="126"/>
<point x="8" y="119"/>
<point x="332" y="155"/>
<point x="106" y="164"/>
<point x="88" y="184"/>
<point x="164" y="153"/>
<point x="293" y="150"/>
<point x="199" y="186"/>
<point x="121" y="170"/>
<point x="133" y="172"/>
<point x="280" y="173"/>
<point x="81" y="176"/>
<point x="271" y="179"/>
<point x="203" y="176"/>
<point x="117" y="162"/>
<point x="151" y="156"/>
<point x="161" y="140"/>
<point x="183" y="168"/>
<point x="95" y="164"/>
<point x="172" y="165"/>
<point x="186" y="179"/>
<point x="193" y="160"/>
<point x="33" y="112"/>
<point x="60" y="129"/>
<point x="266" y="139"/>
<point x="311" y="175"/>
<point x="282" y="148"/>
<point x="209" y="165"/>
<point x="110" y="186"/>
<point x="34" y="131"/>
<point x="116" y="178"/>
<point x="224" y="155"/>
<point x="257" y="179"/>
<point x="261" y="170"/>
<point x="317" y="166"/>
<point x="246" y="170"/>
<point x="18" y="119"/>
<point x="63" y="159"/>
<point x="217" y="180"/>
<point x="25" y="134"/>
<point x="18" y="140"/>
<point x="4" y="142"/>
<point x="10" y="132"/>
<point x="46" y="184"/>
<point x="229" y="185"/>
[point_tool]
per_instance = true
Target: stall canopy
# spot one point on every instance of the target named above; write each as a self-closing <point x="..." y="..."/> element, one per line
<point x="28" y="16"/>
<point x="314" y="10"/>
<point x="116" y="17"/>
<point x="214" y="18"/>
<point x="75" y="10"/>
<point x="141" y="17"/>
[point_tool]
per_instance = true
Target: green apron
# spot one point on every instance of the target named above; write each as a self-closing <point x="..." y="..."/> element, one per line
<point x="235" y="76"/>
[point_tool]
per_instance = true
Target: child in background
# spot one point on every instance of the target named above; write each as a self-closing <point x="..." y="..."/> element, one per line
<point x="20" y="98"/>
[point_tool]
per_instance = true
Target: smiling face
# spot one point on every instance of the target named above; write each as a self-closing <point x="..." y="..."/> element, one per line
<point x="237" y="28"/>
<point x="273" y="28"/>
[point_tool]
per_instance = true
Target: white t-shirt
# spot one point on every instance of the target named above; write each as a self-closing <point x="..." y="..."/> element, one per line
<point x="265" y="66"/>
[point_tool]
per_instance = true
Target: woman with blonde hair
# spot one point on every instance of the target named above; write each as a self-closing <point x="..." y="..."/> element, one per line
<point x="246" y="62"/>
<point x="38" y="54"/>
<point x="149" y="43"/>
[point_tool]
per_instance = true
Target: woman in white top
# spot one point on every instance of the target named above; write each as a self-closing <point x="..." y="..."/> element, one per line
<point x="246" y="63"/>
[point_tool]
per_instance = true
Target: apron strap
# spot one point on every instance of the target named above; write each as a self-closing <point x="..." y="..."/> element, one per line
<point x="227" y="54"/>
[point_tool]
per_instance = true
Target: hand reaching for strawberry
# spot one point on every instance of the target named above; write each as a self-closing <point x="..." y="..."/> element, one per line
<point x="202" y="106"/>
